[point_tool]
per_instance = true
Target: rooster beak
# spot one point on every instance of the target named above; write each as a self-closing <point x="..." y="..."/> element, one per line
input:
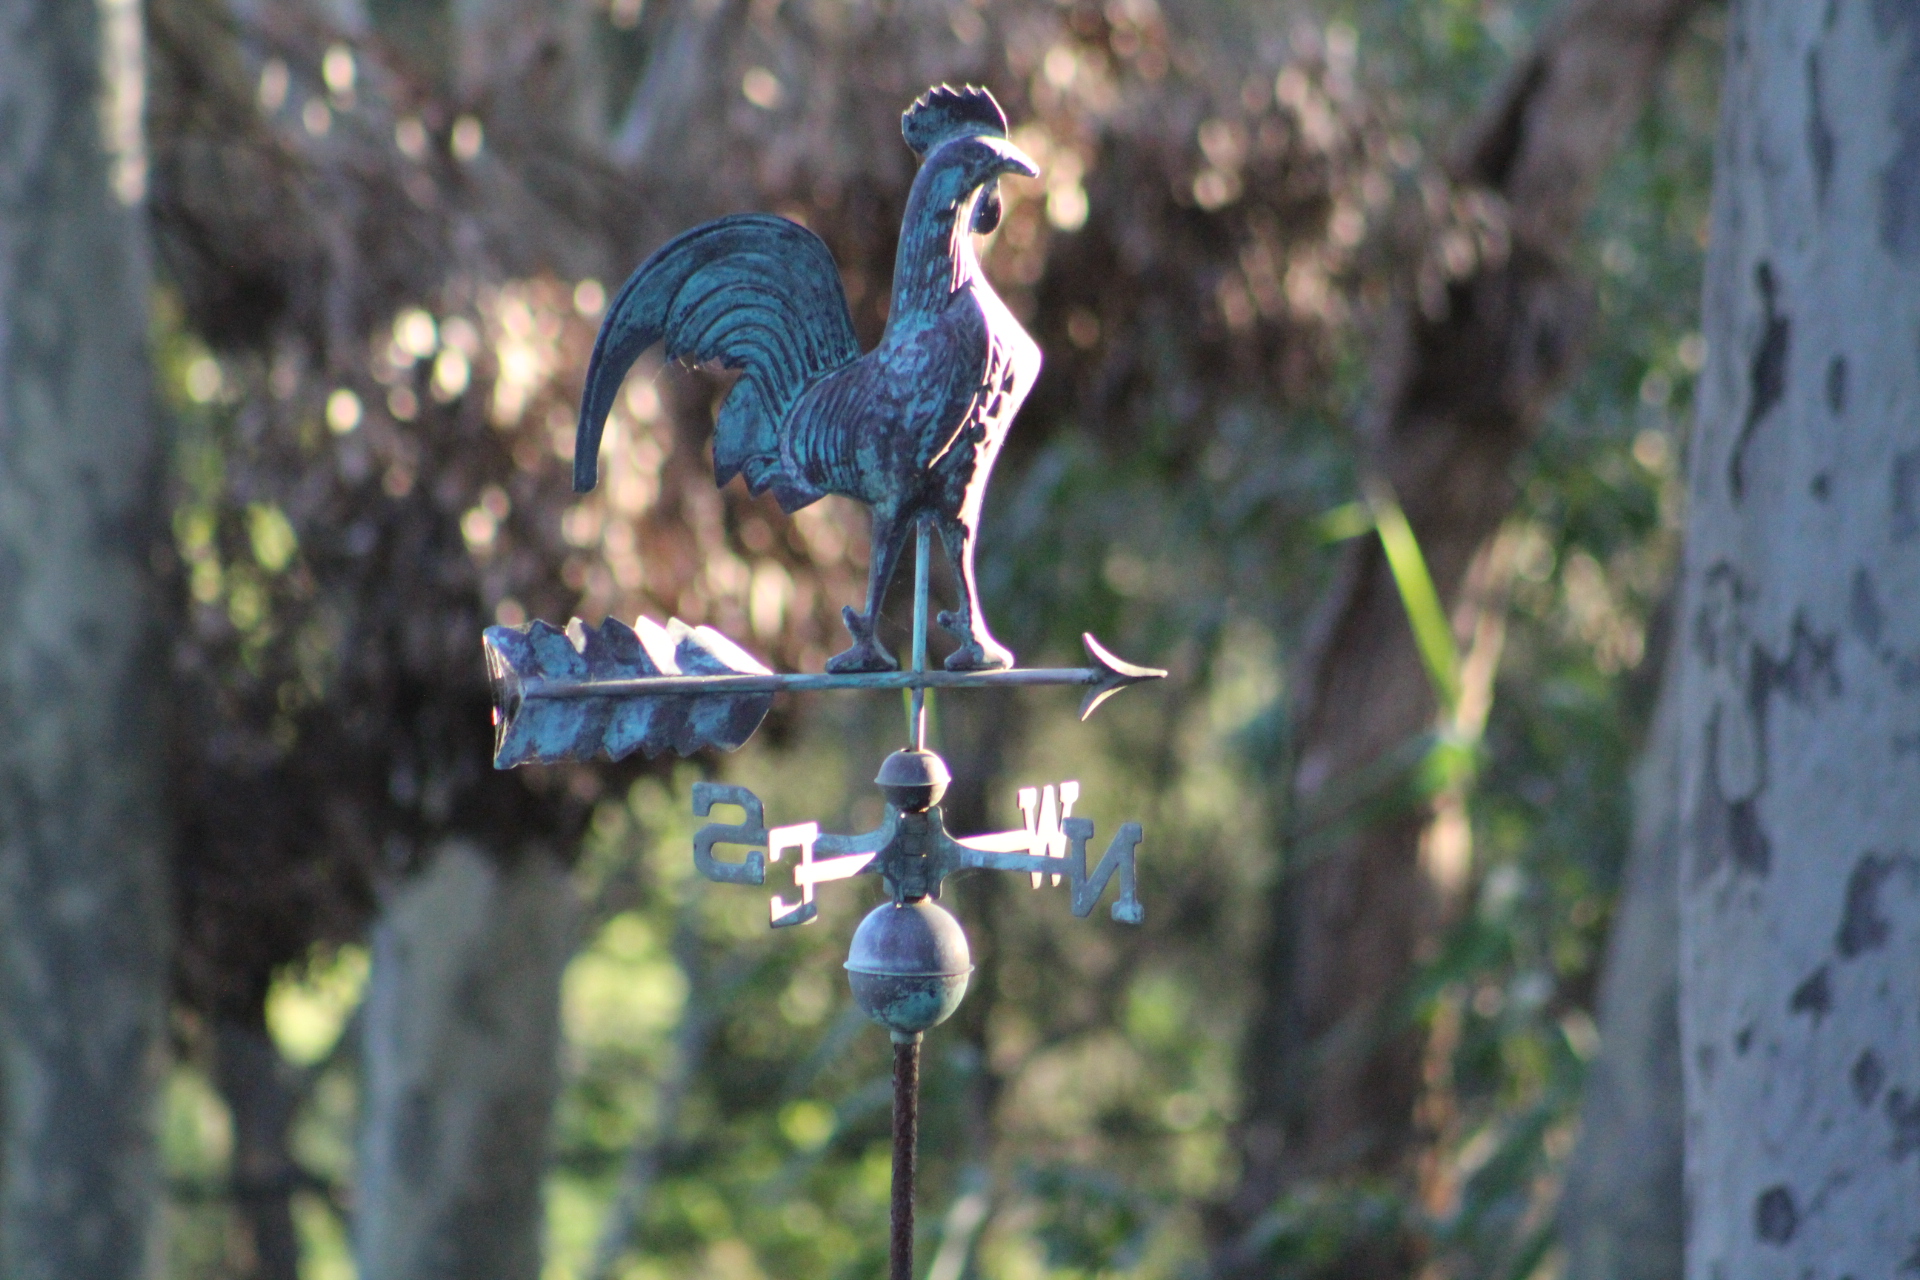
<point x="1020" y="162"/>
<point x="1014" y="160"/>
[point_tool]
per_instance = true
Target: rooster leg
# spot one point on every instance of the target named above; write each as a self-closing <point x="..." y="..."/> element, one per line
<point x="978" y="650"/>
<point x="868" y="654"/>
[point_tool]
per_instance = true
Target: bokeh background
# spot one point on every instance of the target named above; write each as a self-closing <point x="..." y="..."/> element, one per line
<point x="384" y="233"/>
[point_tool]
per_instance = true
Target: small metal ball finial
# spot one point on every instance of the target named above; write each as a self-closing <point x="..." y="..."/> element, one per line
<point x="913" y="781"/>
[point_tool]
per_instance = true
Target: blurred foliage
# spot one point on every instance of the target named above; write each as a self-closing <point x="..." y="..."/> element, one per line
<point x="719" y="1084"/>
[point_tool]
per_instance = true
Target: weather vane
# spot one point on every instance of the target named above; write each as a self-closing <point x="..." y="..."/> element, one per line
<point x="911" y="429"/>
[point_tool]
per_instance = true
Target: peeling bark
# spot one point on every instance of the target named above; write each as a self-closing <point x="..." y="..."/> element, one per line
<point x="1469" y="375"/>
<point x="1799" y="872"/>
<point x="83" y="898"/>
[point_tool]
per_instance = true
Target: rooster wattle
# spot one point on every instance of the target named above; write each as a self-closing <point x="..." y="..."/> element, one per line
<point x="912" y="427"/>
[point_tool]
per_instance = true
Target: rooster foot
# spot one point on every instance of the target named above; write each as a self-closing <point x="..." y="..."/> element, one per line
<point x="975" y="652"/>
<point x="867" y="654"/>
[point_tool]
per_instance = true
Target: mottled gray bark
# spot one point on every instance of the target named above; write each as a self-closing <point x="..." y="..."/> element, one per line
<point x="461" y="1067"/>
<point x="83" y="903"/>
<point x="1621" y="1218"/>
<point x="1800" y="673"/>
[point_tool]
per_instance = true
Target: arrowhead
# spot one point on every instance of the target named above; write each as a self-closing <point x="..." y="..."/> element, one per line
<point x="1115" y="675"/>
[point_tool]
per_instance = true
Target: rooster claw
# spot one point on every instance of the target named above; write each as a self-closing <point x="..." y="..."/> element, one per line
<point x="974" y="653"/>
<point x="973" y="656"/>
<point x="867" y="654"/>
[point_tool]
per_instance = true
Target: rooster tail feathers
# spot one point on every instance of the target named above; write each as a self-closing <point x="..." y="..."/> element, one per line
<point x="755" y="293"/>
<point x="943" y="113"/>
<point x="624" y="334"/>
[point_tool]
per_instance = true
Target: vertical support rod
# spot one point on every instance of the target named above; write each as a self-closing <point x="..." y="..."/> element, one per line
<point x="906" y="1141"/>
<point x="922" y="554"/>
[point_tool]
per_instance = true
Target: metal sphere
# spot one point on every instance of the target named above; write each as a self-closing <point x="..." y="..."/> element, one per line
<point x="913" y="781"/>
<point x="908" y="966"/>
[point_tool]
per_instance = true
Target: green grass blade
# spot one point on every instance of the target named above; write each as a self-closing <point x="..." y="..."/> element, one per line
<point x="1432" y="634"/>
<point x="1348" y="520"/>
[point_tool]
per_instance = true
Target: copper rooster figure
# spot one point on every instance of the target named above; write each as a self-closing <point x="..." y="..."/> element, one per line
<point x="912" y="427"/>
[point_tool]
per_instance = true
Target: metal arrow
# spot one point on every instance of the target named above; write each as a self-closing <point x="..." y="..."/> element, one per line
<point x="1106" y="676"/>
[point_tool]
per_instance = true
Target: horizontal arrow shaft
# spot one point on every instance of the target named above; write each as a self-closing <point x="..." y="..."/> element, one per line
<point x="798" y="682"/>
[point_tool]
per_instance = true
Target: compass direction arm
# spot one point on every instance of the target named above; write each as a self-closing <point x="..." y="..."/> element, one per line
<point x="915" y="852"/>
<point x="1000" y="851"/>
<point x="994" y="844"/>
<point x="847" y="856"/>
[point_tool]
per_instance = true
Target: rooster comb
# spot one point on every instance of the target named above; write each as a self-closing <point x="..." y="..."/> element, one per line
<point x="943" y="113"/>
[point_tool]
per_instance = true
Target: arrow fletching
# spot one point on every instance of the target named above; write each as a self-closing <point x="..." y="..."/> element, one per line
<point x="531" y="728"/>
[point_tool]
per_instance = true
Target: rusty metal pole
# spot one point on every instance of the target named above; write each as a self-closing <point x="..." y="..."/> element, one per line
<point x="906" y="1142"/>
<point x="917" y="716"/>
<point x="906" y="1047"/>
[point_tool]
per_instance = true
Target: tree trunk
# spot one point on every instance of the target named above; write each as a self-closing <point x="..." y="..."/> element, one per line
<point x="1799" y="866"/>
<point x="462" y="1044"/>
<point x="83" y="897"/>
<point x="1328" y="1087"/>
<point x="262" y="1094"/>
<point x="1621" y="1217"/>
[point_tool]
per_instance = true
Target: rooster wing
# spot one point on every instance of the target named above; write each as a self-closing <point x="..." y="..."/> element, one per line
<point x="755" y="293"/>
<point x="874" y="429"/>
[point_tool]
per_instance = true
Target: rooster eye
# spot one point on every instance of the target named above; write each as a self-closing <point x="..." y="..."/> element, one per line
<point x="987" y="215"/>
